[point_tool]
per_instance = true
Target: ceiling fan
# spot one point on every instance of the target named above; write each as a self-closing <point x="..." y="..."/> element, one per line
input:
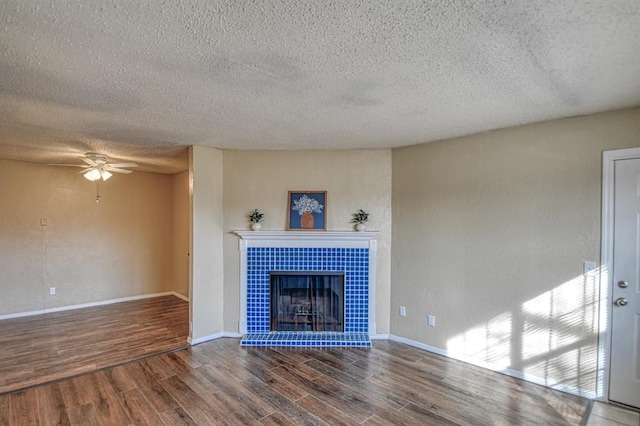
<point x="98" y="167"/>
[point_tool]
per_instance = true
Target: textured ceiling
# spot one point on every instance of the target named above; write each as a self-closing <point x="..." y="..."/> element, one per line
<point x="141" y="80"/>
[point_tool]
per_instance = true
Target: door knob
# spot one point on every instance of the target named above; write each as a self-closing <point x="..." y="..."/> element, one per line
<point x="623" y="284"/>
<point x="620" y="301"/>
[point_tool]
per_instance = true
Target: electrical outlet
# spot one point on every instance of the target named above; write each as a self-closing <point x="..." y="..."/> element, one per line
<point x="431" y="320"/>
<point x="43" y="221"/>
<point x="589" y="268"/>
<point x="403" y="311"/>
<point x="52" y="291"/>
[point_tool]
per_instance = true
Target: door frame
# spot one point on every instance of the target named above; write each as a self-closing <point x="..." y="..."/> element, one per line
<point x="605" y="313"/>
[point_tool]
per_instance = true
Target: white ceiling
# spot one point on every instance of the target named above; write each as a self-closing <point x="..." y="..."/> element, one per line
<point x="141" y="80"/>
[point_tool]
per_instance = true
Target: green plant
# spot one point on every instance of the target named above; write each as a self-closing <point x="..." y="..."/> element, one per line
<point x="256" y="216"/>
<point x="360" y="217"/>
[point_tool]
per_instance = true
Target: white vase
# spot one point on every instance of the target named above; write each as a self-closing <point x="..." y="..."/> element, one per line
<point x="360" y="227"/>
<point x="256" y="226"/>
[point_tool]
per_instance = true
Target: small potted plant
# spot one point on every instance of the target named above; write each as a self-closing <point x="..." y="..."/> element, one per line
<point x="360" y="218"/>
<point x="255" y="219"/>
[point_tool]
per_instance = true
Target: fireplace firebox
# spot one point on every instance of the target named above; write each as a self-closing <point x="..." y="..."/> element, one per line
<point x="307" y="301"/>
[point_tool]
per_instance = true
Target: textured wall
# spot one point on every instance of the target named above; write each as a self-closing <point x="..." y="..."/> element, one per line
<point x="489" y="235"/>
<point x="181" y="233"/>
<point x="206" y="279"/>
<point x="352" y="179"/>
<point x="89" y="251"/>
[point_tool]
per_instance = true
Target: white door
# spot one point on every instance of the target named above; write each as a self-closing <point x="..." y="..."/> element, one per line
<point x="624" y="385"/>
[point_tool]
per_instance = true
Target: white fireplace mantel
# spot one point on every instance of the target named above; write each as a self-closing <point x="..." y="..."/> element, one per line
<point x="303" y="239"/>
<point x="366" y="239"/>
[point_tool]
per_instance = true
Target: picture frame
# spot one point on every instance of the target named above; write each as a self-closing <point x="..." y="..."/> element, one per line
<point x="307" y="211"/>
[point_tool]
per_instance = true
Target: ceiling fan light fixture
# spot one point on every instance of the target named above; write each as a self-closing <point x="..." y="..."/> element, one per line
<point x="97" y="167"/>
<point x="92" y="174"/>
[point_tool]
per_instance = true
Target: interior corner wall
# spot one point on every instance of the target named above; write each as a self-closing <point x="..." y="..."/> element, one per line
<point x="353" y="179"/>
<point x="206" y="267"/>
<point x="489" y="235"/>
<point x="54" y="234"/>
<point x="181" y="233"/>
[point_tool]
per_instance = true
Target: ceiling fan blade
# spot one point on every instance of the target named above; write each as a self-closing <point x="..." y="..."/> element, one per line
<point x="122" y="165"/>
<point x="90" y="162"/>
<point x="68" y="165"/>
<point x="126" y="172"/>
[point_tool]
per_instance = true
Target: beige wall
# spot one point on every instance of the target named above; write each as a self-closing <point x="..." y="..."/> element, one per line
<point x="206" y="267"/>
<point x="119" y="247"/>
<point x="181" y="233"/>
<point x="489" y="235"/>
<point x="261" y="179"/>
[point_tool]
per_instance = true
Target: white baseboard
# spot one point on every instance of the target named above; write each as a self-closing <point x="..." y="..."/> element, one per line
<point x="379" y="336"/>
<point x="180" y="296"/>
<point x="213" y="337"/>
<point x="91" y="304"/>
<point x="509" y="372"/>
<point x="419" y="345"/>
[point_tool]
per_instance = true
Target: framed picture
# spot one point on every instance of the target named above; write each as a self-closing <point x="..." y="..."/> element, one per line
<point x="307" y="211"/>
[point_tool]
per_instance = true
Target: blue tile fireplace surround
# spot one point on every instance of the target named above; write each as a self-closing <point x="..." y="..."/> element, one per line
<point x="264" y="252"/>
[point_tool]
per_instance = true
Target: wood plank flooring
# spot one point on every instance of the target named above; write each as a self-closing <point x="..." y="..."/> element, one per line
<point x="219" y="382"/>
<point x="44" y="348"/>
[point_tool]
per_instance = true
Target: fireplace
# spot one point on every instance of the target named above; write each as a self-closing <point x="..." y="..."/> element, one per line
<point x="347" y="257"/>
<point x="306" y="301"/>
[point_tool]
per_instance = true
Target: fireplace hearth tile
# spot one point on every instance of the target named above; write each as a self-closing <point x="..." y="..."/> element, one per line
<point x="307" y="339"/>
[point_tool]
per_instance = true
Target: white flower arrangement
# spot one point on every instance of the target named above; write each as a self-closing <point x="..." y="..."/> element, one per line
<point x="305" y="204"/>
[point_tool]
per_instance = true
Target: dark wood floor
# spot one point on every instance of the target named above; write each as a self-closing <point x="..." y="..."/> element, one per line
<point x="43" y="348"/>
<point x="219" y="382"/>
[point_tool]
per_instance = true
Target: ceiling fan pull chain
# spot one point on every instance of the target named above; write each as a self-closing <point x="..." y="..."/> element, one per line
<point x="97" y="191"/>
